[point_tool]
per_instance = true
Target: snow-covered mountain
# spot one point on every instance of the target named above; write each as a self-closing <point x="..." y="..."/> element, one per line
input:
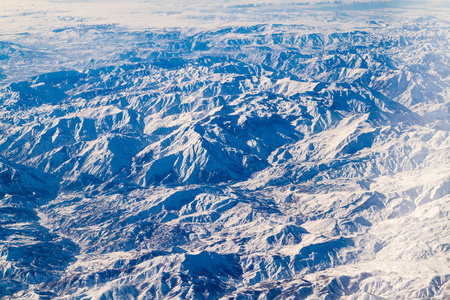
<point x="284" y="159"/>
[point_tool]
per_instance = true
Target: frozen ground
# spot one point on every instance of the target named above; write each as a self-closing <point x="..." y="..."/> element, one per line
<point x="224" y="150"/>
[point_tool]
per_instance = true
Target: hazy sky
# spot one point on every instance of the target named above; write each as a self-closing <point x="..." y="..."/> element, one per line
<point x="18" y="16"/>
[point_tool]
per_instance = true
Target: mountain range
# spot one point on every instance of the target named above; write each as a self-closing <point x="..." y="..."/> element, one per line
<point x="261" y="161"/>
